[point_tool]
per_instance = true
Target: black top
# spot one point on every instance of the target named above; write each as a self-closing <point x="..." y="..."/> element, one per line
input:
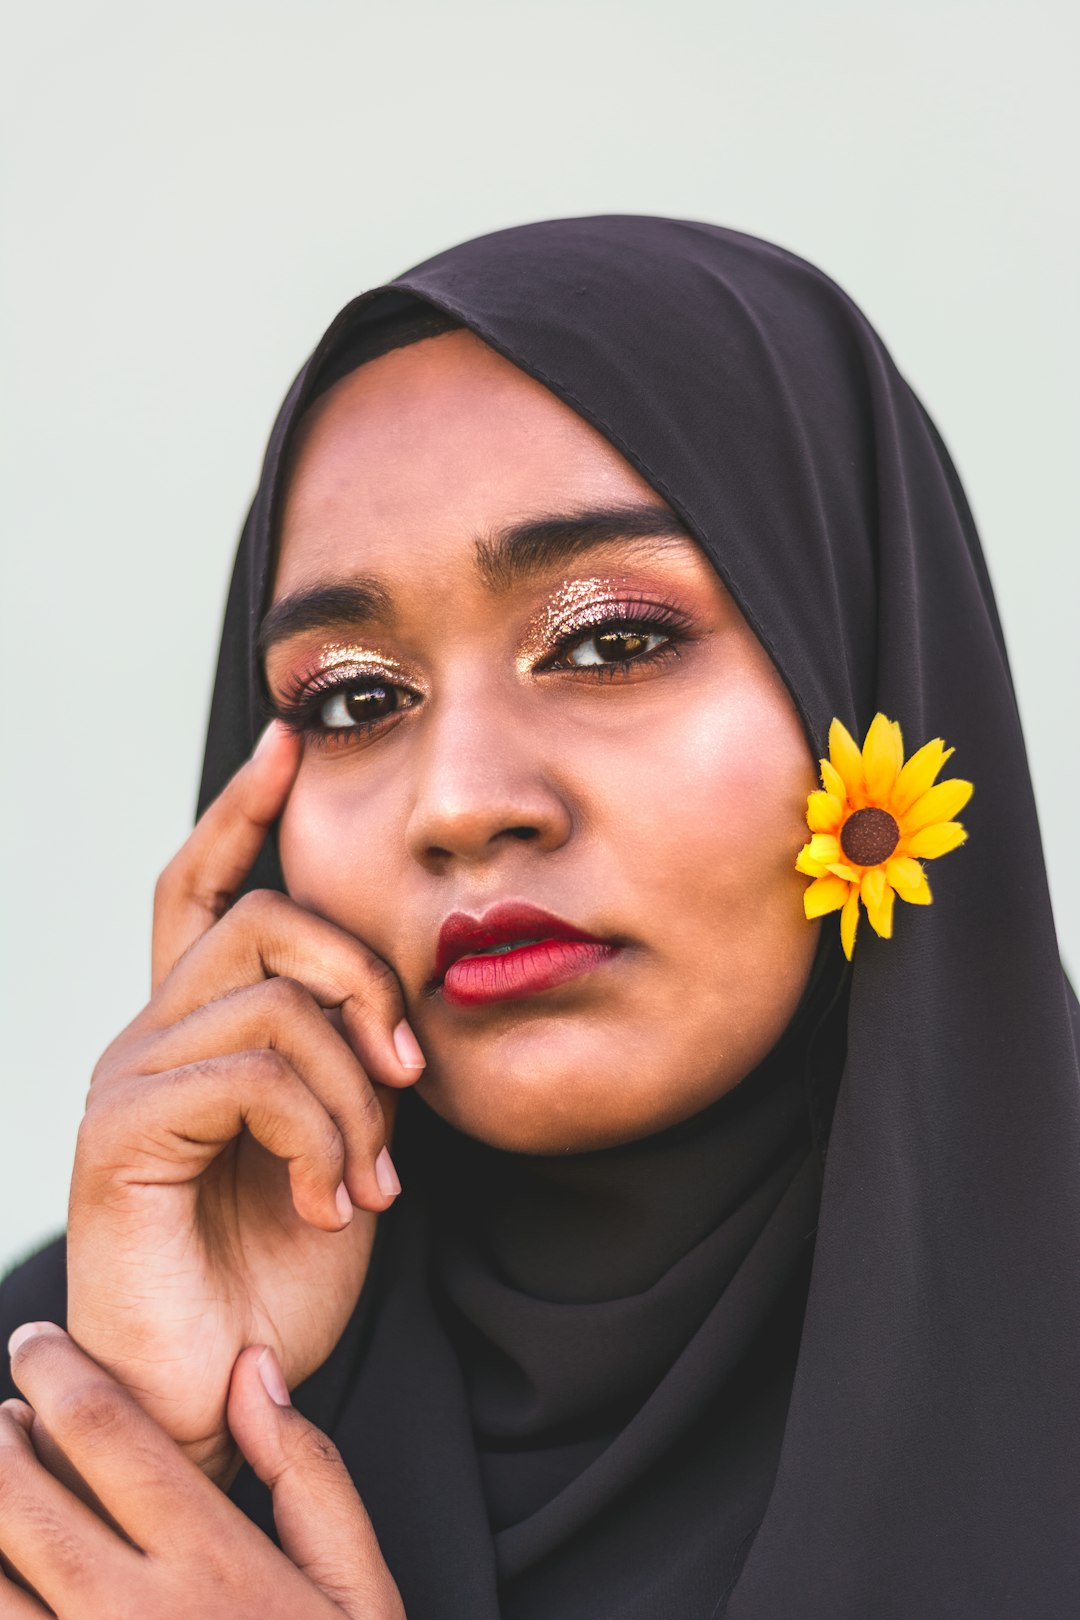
<point x="814" y="1352"/>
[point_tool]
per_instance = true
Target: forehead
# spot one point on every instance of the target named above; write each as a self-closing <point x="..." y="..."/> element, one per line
<point x="410" y="457"/>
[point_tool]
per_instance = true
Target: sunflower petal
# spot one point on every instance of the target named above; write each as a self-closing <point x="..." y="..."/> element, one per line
<point x="929" y="842"/>
<point x="834" y="782"/>
<point x="849" y="922"/>
<point x="919" y="773"/>
<point x="881" y="919"/>
<point x="805" y="863"/>
<point x="879" y="758"/>
<point x="827" y="894"/>
<point x="846" y="756"/>
<point x="824" y="847"/>
<point x="898" y="743"/>
<point x="940" y="803"/>
<point x="908" y="879"/>
<point x="824" y="812"/>
<point x="843" y="870"/>
<point x="877" y="897"/>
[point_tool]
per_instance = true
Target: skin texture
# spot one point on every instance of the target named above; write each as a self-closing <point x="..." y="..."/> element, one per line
<point x="232" y="1161"/>
<point x="663" y="808"/>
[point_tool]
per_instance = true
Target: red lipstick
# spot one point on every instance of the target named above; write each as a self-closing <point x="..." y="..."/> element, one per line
<point x="512" y="950"/>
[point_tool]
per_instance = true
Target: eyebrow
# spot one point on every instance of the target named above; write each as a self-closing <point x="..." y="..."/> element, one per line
<point x="504" y="559"/>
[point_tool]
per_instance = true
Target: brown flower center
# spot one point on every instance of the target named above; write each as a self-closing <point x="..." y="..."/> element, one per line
<point x="869" y="836"/>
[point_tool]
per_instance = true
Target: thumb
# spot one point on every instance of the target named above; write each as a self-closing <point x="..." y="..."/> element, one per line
<point x="321" y="1521"/>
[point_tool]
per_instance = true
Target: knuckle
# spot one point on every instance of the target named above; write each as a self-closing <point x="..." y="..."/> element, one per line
<point x="168" y="884"/>
<point x="370" y="1113"/>
<point x="257" y="910"/>
<point x="269" y="1067"/>
<point x="96" y="1128"/>
<point x="92" y="1160"/>
<point x="286" y="999"/>
<point x="116" y="1057"/>
<point x="372" y="1016"/>
<point x="331" y="1147"/>
<point x="381" y="978"/>
<point x="91" y="1414"/>
<point x="317" y="1152"/>
<point x="315" y="1450"/>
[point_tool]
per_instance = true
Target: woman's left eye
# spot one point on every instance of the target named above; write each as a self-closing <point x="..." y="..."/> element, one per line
<point x="609" y="644"/>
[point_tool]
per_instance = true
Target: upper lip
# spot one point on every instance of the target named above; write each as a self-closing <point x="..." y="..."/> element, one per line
<point x="462" y="935"/>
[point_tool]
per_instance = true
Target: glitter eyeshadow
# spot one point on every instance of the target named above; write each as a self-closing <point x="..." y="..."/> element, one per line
<point x="577" y="605"/>
<point x="339" y="655"/>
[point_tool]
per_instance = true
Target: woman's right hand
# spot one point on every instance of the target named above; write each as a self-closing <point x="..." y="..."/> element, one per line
<point x="231" y="1129"/>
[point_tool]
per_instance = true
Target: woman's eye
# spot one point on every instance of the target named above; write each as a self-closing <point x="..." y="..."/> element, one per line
<point x="613" y="644"/>
<point x="360" y="705"/>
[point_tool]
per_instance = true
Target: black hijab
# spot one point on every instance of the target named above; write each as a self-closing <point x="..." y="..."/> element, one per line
<point x="814" y="1353"/>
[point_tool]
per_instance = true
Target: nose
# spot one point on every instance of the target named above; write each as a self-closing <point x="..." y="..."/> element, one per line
<point x="482" y="784"/>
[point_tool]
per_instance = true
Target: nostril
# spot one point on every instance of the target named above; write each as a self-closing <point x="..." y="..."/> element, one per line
<point x="523" y="832"/>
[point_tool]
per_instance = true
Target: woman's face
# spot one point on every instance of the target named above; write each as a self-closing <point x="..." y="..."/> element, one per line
<point x="573" y="717"/>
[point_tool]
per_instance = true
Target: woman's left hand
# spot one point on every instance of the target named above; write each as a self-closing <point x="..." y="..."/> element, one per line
<point x="102" y="1514"/>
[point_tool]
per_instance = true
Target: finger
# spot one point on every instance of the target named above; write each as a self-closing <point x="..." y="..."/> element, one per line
<point x="267" y="935"/>
<point x="142" y="1478"/>
<point x="282" y="1015"/>
<point x="166" y="1131"/>
<point x="200" y="882"/>
<point x="50" y="1456"/>
<point x="16" y="1603"/>
<point x="16" y="1598"/>
<point x="19" y="1412"/>
<point x="321" y="1522"/>
<point x="53" y="1460"/>
<point x="57" y="1545"/>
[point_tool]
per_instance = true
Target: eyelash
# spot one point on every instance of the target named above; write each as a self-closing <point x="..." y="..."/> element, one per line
<point x="299" y="704"/>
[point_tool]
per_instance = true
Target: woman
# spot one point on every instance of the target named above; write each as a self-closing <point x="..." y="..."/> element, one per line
<point x="735" y="1267"/>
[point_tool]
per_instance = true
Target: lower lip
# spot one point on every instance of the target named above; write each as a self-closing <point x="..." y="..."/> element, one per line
<point x="472" y="981"/>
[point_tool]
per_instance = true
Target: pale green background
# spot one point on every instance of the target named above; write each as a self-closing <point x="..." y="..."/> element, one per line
<point x="192" y="191"/>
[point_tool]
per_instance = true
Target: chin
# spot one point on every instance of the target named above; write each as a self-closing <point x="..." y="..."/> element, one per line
<point x="558" y="1094"/>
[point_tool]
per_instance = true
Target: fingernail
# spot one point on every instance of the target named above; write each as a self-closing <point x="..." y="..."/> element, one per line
<point x="407" y="1047"/>
<point x="344" y="1203"/>
<point x="30" y="1330"/>
<point x="273" y="1379"/>
<point x="386" y="1175"/>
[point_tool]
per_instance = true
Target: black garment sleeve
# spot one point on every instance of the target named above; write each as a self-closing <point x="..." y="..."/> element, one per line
<point x="35" y="1291"/>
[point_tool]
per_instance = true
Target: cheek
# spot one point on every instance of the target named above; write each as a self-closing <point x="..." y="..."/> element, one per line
<point x="719" y="812"/>
<point x="709" y="839"/>
<point x="332" y="840"/>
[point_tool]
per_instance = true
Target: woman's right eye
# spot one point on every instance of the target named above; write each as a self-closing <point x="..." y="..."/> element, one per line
<point x="362" y="705"/>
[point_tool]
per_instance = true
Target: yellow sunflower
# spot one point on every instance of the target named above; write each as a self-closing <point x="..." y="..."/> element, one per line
<point x="873" y="824"/>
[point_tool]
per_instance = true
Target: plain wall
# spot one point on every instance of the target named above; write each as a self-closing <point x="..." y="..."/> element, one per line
<point x="191" y="192"/>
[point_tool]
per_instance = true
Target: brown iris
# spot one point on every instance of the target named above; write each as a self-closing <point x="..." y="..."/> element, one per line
<point x="869" y="836"/>
<point x="620" y="643"/>
<point x="363" y="703"/>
